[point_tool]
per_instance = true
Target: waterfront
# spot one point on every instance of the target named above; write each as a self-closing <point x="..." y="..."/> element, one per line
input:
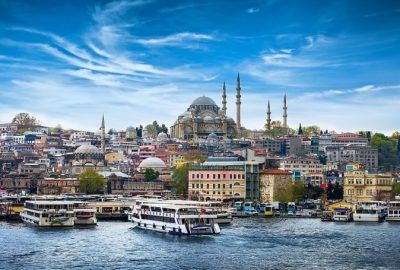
<point x="254" y="243"/>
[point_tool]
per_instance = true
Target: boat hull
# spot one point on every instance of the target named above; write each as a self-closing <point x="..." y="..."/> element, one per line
<point x="47" y="222"/>
<point x="176" y="229"/>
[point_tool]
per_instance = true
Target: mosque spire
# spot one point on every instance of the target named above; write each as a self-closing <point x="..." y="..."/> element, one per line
<point x="285" y="115"/>
<point x="238" y="102"/>
<point x="269" y="117"/>
<point x="224" y="99"/>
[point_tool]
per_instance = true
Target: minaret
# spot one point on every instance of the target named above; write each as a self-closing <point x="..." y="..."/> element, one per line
<point x="238" y="96"/>
<point x="284" y="113"/>
<point x="224" y="100"/>
<point x="269" y="117"/>
<point x="103" y="136"/>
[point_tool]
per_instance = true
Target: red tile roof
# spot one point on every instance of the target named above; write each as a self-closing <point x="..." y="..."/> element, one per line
<point x="275" y="172"/>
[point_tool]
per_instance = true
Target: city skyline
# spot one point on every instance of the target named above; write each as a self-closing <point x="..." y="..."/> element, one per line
<point x="140" y="61"/>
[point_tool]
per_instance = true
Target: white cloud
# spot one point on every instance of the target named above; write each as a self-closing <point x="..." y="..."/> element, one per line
<point x="180" y="39"/>
<point x="252" y="10"/>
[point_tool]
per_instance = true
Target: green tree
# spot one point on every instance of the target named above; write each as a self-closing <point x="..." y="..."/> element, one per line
<point x="284" y="195"/>
<point x="395" y="135"/>
<point x="387" y="151"/>
<point x="277" y="130"/>
<point x="180" y="180"/>
<point x="311" y="130"/>
<point x="151" y="130"/>
<point x="90" y="182"/>
<point x="396" y="188"/>
<point x="150" y="174"/>
<point x="298" y="191"/>
<point x="194" y="157"/>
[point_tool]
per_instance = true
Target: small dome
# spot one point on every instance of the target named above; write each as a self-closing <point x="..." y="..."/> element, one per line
<point x="208" y="119"/>
<point x="130" y="129"/>
<point x="162" y="136"/>
<point x="87" y="149"/>
<point x="185" y="119"/>
<point x="212" y="136"/>
<point x="230" y="119"/>
<point x="151" y="163"/>
<point x="203" y="101"/>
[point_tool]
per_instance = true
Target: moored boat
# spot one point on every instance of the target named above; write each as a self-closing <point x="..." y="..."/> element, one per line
<point x="84" y="215"/>
<point x="393" y="211"/>
<point x="174" y="219"/>
<point x="342" y="214"/>
<point x="373" y="211"/>
<point x="48" y="213"/>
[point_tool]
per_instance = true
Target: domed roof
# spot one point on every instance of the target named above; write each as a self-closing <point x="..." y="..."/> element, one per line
<point x="212" y="136"/>
<point x="130" y="128"/>
<point x="203" y="101"/>
<point x="162" y="136"/>
<point x="152" y="162"/>
<point x="87" y="149"/>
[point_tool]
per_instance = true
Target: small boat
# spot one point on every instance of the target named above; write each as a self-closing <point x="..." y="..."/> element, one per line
<point x="342" y="214"/>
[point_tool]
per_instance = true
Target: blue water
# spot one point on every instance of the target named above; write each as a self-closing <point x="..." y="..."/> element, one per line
<point x="253" y="243"/>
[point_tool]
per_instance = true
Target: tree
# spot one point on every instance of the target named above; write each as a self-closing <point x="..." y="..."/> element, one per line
<point x="90" y="182"/>
<point x="194" y="157"/>
<point x="139" y="131"/>
<point x="24" y="121"/>
<point x="311" y="130"/>
<point x="300" y="130"/>
<point x="396" y="188"/>
<point x="150" y="174"/>
<point x="277" y="130"/>
<point x="387" y="152"/>
<point x="365" y="134"/>
<point x="111" y="131"/>
<point x="298" y="191"/>
<point x="395" y="135"/>
<point x="180" y="179"/>
<point x="151" y="130"/>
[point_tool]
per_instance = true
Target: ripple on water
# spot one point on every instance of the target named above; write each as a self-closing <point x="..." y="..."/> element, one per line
<point x="246" y="244"/>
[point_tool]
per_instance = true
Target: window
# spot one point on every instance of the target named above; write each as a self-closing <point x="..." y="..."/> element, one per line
<point x="192" y="176"/>
<point x="197" y="185"/>
<point x="369" y="192"/>
<point x="219" y="185"/>
<point x="350" y="192"/>
<point x="208" y="186"/>
<point x="223" y="186"/>
<point x="192" y="185"/>
<point x="359" y="192"/>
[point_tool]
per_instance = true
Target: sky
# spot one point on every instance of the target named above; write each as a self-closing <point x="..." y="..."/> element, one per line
<point x="69" y="62"/>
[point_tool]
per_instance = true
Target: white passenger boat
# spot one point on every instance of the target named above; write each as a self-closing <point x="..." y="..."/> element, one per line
<point x="84" y="215"/>
<point x="374" y="211"/>
<point x="342" y="214"/>
<point x="49" y="213"/>
<point x="174" y="219"/>
<point x="393" y="211"/>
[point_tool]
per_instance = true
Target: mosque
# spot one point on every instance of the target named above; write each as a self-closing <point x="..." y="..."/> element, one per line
<point x="205" y="118"/>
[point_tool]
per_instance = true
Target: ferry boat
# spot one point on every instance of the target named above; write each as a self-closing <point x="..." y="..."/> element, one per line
<point x="374" y="211"/>
<point x="49" y="213"/>
<point x="84" y="215"/>
<point x="174" y="219"/>
<point x="393" y="211"/>
<point x="342" y="214"/>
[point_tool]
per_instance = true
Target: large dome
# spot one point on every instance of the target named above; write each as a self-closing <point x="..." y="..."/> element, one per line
<point x="87" y="149"/>
<point x="151" y="163"/>
<point x="162" y="136"/>
<point x="203" y="101"/>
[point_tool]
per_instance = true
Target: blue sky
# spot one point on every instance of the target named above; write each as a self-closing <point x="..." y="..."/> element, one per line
<point x="68" y="62"/>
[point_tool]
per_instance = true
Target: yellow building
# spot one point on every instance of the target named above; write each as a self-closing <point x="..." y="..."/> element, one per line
<point x="361" y="186"/>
